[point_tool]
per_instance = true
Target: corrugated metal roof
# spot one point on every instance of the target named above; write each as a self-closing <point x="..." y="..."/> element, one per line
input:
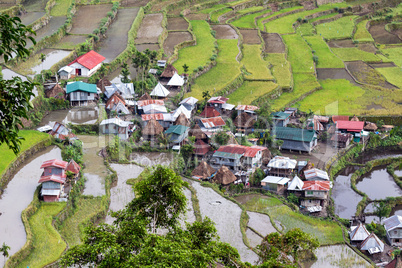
<point x="142" y="103"/>
<point x="371" y="242"/>
<point x="55" y="178"/>
<point x="189" y="101"/>
<point x="359" y="233"/>
<point x="316" y="173"/>
<point x="81" y="86"/>
<point x="275" y="180"/>
<point x="177" y="129"/>
<point x="50" y="192"/>
<point x="218" y="99"/>
<point x="393" y="222"/>
<point x="316" y="186"/>
<point x="209" y="112"/>
<point x="247" y="107"/>
<point x="213" y="122"/>
<point x="54" y="163"/>
<point x="89" y="60"/>
<point x="154" y="108"/>
<point x="296" y="184"/>
<point x="340" y="117"/>
<point x="227" y="155"/>
<point x="157" y="117"/>
<point x="294" y="134"/>
<point x="116" y="121"/>
<point x="280" y="115"/>
<point x="354" y="126"/>
<point x="282" y="162"/>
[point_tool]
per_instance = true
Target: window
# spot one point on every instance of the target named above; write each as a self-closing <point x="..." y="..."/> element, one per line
<point x="89" y="94"/>
<point x="107" y="127"/>
<point x="395" y="232"/>
<point x="309" y="192"/>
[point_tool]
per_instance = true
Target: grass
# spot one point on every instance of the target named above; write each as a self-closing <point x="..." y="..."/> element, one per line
<point x="284" y="25"/>
<point x="31" y="137"/>
<point x="353" y="54"/>
<point x="327" y="232"/>
<point x="328" y="16"/>
<point x="326" y="59"/>
<point x="300" y="55"/>
<point x="64" y="45"/>
<point x="248" y="21"/>
<point x="211" y="9"/>
<point x="61" y="7"/>
<point x="303" y="84"/>
<point x="71" y="230"/>
<point x="216" y="14"/>
<point x="340" y="28"/>
<point x="260" y="20"/>
<point x="199" y="54"/>
<point x="335" y="97"/>
<point x="235" y="3"/>
<point x="48" y="244"/>
<point x="280" y="68"/>
<point x="394" y="54"/>
<point x="251" y="90"/>
<point x="221" y="75"/>
<point x="393" y="75"/>
<point x="306" y="29"/>
<point x="254" y="64"/>
<point x="249" y="10"/>
<point x="362" y="34"/>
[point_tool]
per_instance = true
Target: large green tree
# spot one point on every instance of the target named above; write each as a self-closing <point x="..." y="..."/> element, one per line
<point x="382" y="210"/>
<point x="15" y="94"/>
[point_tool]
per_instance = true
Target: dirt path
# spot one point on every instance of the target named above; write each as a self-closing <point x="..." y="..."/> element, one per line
<point x="150" y="29"/>
<point x="87" y="18"/>
<point x="273" y="43"/>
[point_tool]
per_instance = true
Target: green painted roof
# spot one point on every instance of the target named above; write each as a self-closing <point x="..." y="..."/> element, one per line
<point x="178" y="130"/>
<point x="82" y="86"/>
<point x="280" y="115"/>
<point x="227" y="155"/>
<point x="295" y="134"/>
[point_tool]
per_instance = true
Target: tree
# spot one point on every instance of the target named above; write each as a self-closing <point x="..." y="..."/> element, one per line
<point x="125" y="73"/>
<point x="5" y="250"/>
<point x="222" y="138"/>
<point x="382" y="210"/>
<point x="14" y="93"/>
<point x="205" y="95"/>
<point x="186" y="151"/>
<point x="42" y="59"/>
<point x="185" y="68"/>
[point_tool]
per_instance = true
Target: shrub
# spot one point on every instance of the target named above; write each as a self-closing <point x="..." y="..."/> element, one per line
<point x="315" y="58"/>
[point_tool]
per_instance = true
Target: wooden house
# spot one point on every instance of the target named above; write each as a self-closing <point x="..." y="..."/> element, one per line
<point x="53" y="179"/>
<point x="280" y="119"/>
<point x="201" y="148"/>
<point x="212" y="124"/>
<point x="244" y="123"/>
<point x="203" y="171"/>
<point x="393" y="227"/>
<point x="66" y="72"/>
<point x="152" y="130"/>
<point x="115" y="126"/>
<point x="87" y="64"/>
<point x="177" y="133"/>
<point x="296" y="139"/>
<point x="275" y="184"/>
<point x="281" y="166"/>
<point x="56" y="91"/>
<point x="341" y="140"/>
<point x="315" y="192"/>
<point x="81" y="93"/>
<point x="224" y="176"/>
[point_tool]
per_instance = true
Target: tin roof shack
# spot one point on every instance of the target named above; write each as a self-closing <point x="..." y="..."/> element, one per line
<point x="236" y="156"/>
<point x="353" y="127"/>
<point x="164" y="119"/>
<point x="280" y="119"/>
<point x="358" y="233"/>
<point x="316" y="174"/>
<point x="372" y="244"/>
<point x="275" y="184"/>
<point x="61" y="132"/>
<point x="152" y="130"/>
<point x="244" y="123"/>
<point x="115" y="126"/>
<point x="224" y="176"/>
<point x="212" y="124"/>
<point x="209" y="111"/>
<point x="81" y="93"/>
<point x="250" y="109"/>
<point x="393" y="226"/>
<point x="341" y="140"/>
<point x="296" y="139"/>
<point x="203" y="171"/>
<point x="281" y="166"/>
<point x="87" y="64"/>
<point x="201" y="148"/>
<point x="66" y="72"/>
<point x="217" y="102"/>
<point x="177" y="133"/>
<point x="53" y="179"/>
<point x="315" y="193"/>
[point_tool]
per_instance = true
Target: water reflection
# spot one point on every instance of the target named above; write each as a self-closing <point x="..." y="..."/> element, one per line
<point x="345" y="198"/>
<point x="77" y="115"/>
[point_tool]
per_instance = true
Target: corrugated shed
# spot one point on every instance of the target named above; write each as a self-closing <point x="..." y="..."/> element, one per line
<point x="354" y="126"/>
<point x="316" y="173"/>
<point x="282" y="162"/>
<point x="218" y="100"/>
<point x="294" y="134"/>
<point x="213" y="122"/>
<point x="89" y="60"/>
<point x="247" y="107"/>
<point x="359" y="233"/>
<point x="316" y="186"/>
<point x="54" y="163"/>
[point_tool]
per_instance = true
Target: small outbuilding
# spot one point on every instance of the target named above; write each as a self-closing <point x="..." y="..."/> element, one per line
<point x="275" y="184"/>
<point x="160" y="91"/>
<point x="296" y="184"/>
<point x="203" y="171"/>
<point x="372" y="244"/>
<point x="168" y="72"/>
<point x="224" y="176"/>
<point x="370" y="126"/>
<point x="56" y="91"/>
<point x="87" y="64"/>
<point x="358" y="233"/>
<point x="66" y="72"/>
<point x="152" y="129"/>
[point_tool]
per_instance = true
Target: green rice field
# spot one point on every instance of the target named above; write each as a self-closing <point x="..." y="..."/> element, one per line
<point x="256" y="67"/>
<point x="326" y="59"/>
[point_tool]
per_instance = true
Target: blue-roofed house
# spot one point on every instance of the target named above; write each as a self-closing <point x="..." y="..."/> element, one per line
<point x="177" y="133"/>
<point x="81" y="93"/>
<point x="296" y="139"/>
<point x="280" y="119"/>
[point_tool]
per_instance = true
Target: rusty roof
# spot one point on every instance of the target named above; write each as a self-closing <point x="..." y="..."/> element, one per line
<point x="114" y="99"/>
<point x="201" y="148"/>
<point x="213" y="122"/>
<point x="54" y="163"/>
<point x="218" y="99"/>
<point x="209" y="112"/>
<point x="247" y="107"/>
<point x="148" y="102"/>
<point x="316" y="186"/>
<point x="240" y="149"/>
<point x="340" y="117"/>
<point x="55" y="178"/>
<point x="147" y="117"/>
<point x="73" y="167"/>
<point x="354" y="126"/>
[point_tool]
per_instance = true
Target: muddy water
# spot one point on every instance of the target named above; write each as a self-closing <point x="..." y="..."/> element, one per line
<point x="54" y="24"/>
<point x="398" y="173"/>
<point x="336" y="256"/>
<point x="345" y="198"/>
<point x="78" y="115"/>
<point x="18" y="195"/>
<point x="31" y="17"/>
<point x="378" y="184"/>
<point x="151" y="159"/>
<point x="52" y="57"/>
<point x="226" y="216"/>
<point x="253" y="238"/>
<point x="260" y="223"/>
<point x="370" y="155"/>
<point x="95" y="170"/>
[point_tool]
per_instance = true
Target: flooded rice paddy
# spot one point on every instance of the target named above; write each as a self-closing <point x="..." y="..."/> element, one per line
<point x="370" y="156"/>
<point x="345" y="198"/>
<point x="87" y="18"/>
<point x="31" y="17"/>
<point x="151" y="159"/>
<point x="77" y="115"/>
<point x="52" y="57"/>
<point x="54" y="24"/>
<point x="18" y="195"/>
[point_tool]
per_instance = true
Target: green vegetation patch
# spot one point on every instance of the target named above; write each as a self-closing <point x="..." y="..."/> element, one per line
<point x="306" y="29"/>
<point x="303" y="85"/>
<point x="362" y="34"/>
<point x="31" y="137"/>
<point x="353" y="54"/>
<point x="72" y="228"/>
<point x="249" y="10"/>
<point x="199" y="54"/>
<point x="300" y="55"/>
<point x="248" y="21"/>
<point x="335" y="97"/>
<point x="326" y="59"/>
<point x="260" y="20"/>
<point x="328" y="16"/>
<point x="393" y="75"/>
<point x="60" y="8"/>
<point x="211" y="9"/>
<point x="216" y="14"/>
<point x="254" y="63"/>
<point x="327" y="232"/>
<point x="235" y="3"/>
<point x="250" y="91"/>
<point x="280" y="68"/>
<point x="48" y="244"/>
<point x="394" y="54"/>
<point x="340" y="28"/>
<point x="221" y="75"/>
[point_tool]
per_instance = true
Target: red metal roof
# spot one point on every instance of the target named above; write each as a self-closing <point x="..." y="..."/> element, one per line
<point x="340" y="117"/>
<point x="73" y="167"/>
<point x="213" y="122"/>
<point x="209" y="112"/>
<point x="240" y="149"/>
<point x="218" y="99"/>
<point x="316" y="186"/>
<point x="89" y="60"/>
<point x="147" y="117"/>
<point x="114" y="99"/>
<point x="201" y="148"/>
<point x="247" y="107"/>
<point x="148" y="102"/>
<point x="54" y="163"/>
<point x="55" y="178"/>
<point x="353" y="126"/>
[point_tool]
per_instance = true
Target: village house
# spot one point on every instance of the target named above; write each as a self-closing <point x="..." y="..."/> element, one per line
<point x="341" y="140"/>
<point x="201" y="148"/>
<point x="181" y="110"/>
<point x="152" y="130"/>
<point x="159" y="91"/>
<point x="280" y="119"/>
<point x="81" y="93"/>
<point x="250" y="109"/>
<point x="372" y="244"/>
<point x="296" y="139"/>
<point x="176" y="81"/>
<point x="353" y="127"/>
<point x="66" y="73"/>
<point x="244" y="123"/>
<point x="189" y="103"/>
<point x="224" y="176"/>
<point x="182" y="120"/>
<point x="316" y="193"/>
<point x="177" y="134"/>
<point x="125" y="90"/>
<point x="115" y="126"/>
<point x="87" y="64"/>
<point x="275" y="184"/>
<point x="358" y="233"/>
<point x="53" y="179"/>
<point x="393" y="227"/>
<point x="117" y="104"/>
<point x="55" y="91"/>
<point x="203" y="171"/>
<point x="281" y="166"/>
<point x="60" y="131"/>
<point x="315" y="174"/>
<point x="217" y="102"/>
<point x="212" y="124"/>
<point x="209" y="111"/>
<point x="151" y="106"/>
<point x="164" y="119"/>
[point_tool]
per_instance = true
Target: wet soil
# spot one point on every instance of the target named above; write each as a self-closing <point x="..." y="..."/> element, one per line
<point x="54" y="24"/>
<point x="341" y="43"/>
<point x="87" y="18"/>
<point x="367" y="156"/>
<point x="334" y="73"/>
<point x="151" y="159"/>
<point x="173" y="39"/>
<point x="366" y="74"/>
<point x="382" y="65"/>
<point x="73" y="39"/>
<point x="52" y="57"/>
<point x="250" y="36"/>
<point x="117" y="34"/>
<point x="382" y="36"/>
<point x="368" y="47"/>
<point x="224" y="32"/>
<point x="142" y="47"/>
<point x="122" y="193"/>
<point x="345" y="199"/>
<point x="18" y="195"/>
<point x="197" y="16"/>
<point x="273" y="43"/>
<point x="150" y="29"/>
<point x="134" y="3"/>
<point x="378" y="184"/>
<point x="260" y="223"/>
<point x="31" y="17"/>
<point x="177" y="24"/>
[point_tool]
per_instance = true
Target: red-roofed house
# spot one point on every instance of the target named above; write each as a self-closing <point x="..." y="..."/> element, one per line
<point x="235" y="156"/>
<point x="336" y="118"/>
<point x="217" y="102"/>
<point x="213" y="123"/>
<point x="52" y="179"/>
<point x="316" y="192"/>
<point x="353" y="127"/>
<point x="201" y="148"/>
<point x="73" y="167"/>
<point x="87" y="64"/>
<point x="209" y="112"/>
